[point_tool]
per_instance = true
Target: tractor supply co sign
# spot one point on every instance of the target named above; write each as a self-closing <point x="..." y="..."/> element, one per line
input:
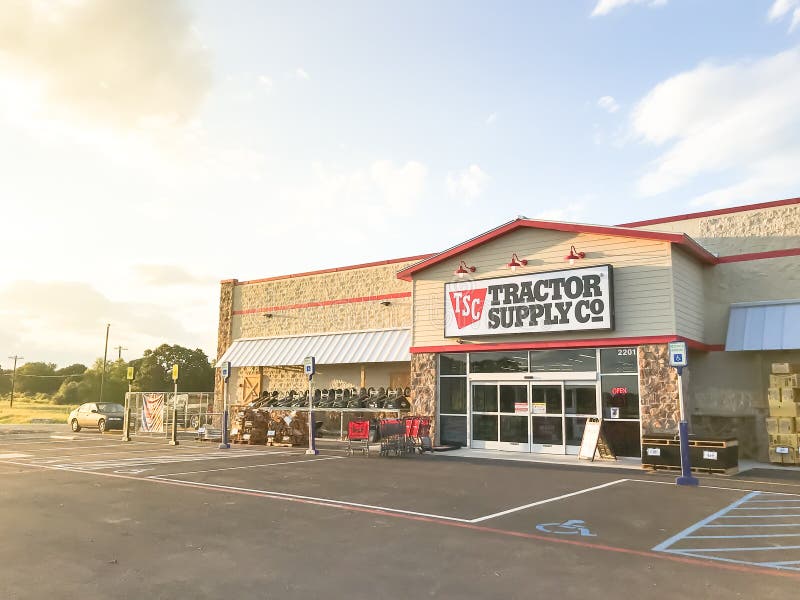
<point x="568" y="300"/>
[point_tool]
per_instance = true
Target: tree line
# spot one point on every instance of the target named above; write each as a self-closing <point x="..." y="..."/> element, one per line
<point x="77" y="383"/>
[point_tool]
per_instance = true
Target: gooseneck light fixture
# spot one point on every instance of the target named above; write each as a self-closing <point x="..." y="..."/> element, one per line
<point x="574" y="255"/>
<point x="515" y="262"/>
<point x="463" y="269"/>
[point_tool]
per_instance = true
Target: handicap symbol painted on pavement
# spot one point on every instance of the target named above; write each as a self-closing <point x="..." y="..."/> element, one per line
<point x="571" y="527"/>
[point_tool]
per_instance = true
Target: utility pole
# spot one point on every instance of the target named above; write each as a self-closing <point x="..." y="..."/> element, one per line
<point x="15" y="358"/>
<point x="105" y="359"/>
<point x="119" y="350"/>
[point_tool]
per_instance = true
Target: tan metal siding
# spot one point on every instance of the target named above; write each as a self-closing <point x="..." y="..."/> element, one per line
<point x="687" y="279"/>
<point x="642" y="281"/>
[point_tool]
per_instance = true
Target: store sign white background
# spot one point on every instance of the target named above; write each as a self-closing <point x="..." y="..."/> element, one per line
<point x="565" y="300"/>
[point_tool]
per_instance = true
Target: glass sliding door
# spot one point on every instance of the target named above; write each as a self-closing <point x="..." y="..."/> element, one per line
<point x="500" y="416"/>
<point x="580" y="403"/>
<point x="547" y="417"/>
<point x="514" y="411"/>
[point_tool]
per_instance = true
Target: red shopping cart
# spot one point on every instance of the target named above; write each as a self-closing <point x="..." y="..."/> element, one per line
<point x="358" y="437"/>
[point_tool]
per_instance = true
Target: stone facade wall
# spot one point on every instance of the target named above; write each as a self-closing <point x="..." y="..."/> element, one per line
<point x="752" y="231"/>
<point x="224" y="338"/>
<point x="658" y="391"/>
<point x="346" y="300"/>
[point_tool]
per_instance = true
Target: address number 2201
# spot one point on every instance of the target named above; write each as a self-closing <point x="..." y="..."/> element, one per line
<point x="626" y="351"/>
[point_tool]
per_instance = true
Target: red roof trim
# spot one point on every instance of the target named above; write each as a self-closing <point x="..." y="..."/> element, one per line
<point x="711" y="213"/>
<point x="267" y="309"/>
<point x="595" y="343"/>
<point x="379" y="263"/>
<point x="675" y="238"/>
<point x="759" y="255"/>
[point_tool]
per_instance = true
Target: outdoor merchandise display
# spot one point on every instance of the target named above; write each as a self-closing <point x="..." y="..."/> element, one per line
<point x="783" y="397"/>
<point x="281" y="418"/>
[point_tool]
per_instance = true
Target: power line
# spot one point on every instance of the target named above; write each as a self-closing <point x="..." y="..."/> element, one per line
<point x="119" y="349"/>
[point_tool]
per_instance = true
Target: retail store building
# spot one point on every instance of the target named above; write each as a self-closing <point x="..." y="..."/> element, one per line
<point x="511" y="345"/>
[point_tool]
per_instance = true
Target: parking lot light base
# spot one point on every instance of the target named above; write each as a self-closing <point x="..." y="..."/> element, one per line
<point x="224" y="446"/>
<point x="173" y="442"/>
<point x="313" y="451"/>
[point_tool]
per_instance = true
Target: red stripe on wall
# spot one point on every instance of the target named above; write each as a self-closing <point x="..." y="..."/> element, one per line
<point x="759" y="255"/>
<point x="711" y="213"/>
<point x="379" y="263"/>
<point x="560" y="344"/>
<point x="324" y="303"/>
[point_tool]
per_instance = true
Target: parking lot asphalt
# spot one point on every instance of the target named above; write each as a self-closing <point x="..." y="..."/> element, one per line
<point x="88" y="516"/>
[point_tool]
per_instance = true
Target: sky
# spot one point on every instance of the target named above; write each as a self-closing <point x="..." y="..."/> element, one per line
<point x="151" y="148"/>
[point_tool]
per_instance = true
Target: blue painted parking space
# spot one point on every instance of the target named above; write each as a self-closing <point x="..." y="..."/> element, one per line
<point x="760" y="529"/>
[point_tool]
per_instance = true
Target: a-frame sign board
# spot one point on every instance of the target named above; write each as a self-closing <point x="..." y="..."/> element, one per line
<point x="594" y="441"/>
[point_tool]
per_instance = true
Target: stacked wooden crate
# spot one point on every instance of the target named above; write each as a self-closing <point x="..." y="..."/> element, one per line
<point x="784" y="409"/>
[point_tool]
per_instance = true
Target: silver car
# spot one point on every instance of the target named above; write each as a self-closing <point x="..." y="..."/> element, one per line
<point x="103" y="415"/>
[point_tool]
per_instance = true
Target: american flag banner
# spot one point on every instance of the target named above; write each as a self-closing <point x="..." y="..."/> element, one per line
<point x="153" y="412"/>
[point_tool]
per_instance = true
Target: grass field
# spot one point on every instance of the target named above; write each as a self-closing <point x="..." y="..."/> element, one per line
<point x="32" y="410"/>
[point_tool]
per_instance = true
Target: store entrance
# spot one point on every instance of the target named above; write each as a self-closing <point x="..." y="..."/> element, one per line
<point x="547" y="417"/>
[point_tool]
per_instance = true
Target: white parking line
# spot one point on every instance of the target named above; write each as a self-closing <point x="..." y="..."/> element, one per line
<point x="547" y="501"/>
<point x="292" y="462"/>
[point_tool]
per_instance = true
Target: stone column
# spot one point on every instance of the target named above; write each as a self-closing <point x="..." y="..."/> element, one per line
<point x="658" y="389"/>
<point x="224" y="334"/>
<point x="423" y="386"/>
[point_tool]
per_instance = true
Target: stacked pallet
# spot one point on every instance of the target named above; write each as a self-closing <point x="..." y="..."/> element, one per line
<point x="784" y="409"/>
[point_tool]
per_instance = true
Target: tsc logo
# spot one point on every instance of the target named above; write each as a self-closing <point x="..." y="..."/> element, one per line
<point x="468" y="306"/>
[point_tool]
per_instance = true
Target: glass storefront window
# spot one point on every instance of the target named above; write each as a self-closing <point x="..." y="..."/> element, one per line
<point x="484" y="428"/>
<point x="620" y="396"/>
<point x="547" y="430"/>
<point x="453" y="430"/>
<point x="624" y="437"/>
<point x="580" y="399"/>
<point x="514" y="429"/>
<point x="550" y="396"/>
<point x="510" y="395"/>
<point x="498" y="362"/>
<point x="453" y="364"/>
<point x="582" y="359"/>
<point x="453" y="395"/>
<point x="484" y="398"/>
<point x="618" y="360"/>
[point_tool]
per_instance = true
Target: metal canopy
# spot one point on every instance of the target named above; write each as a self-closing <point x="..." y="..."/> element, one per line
<point x="385" y="345"/>
<point x="764" y="326"/>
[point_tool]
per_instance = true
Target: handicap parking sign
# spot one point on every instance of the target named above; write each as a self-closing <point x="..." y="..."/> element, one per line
<point x="678" y="357"/>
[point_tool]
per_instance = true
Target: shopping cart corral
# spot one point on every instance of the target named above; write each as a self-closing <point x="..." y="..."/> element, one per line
<point x="398" y="437"/>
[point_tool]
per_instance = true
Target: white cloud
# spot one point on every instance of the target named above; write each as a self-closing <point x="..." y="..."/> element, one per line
<point x="301" y="74"/>
<point x="737" y="120"/>
<point x="356" y="199"/>
<point x="265" y="82"/>
<point x="117" y="63"/>
<point x="469" y="183"/>
<point x="490" y="120"/>
<point x="162" y="275"/>
<point x="608" y="104"/>
<point x="781" y="8"/>
<point x="567" y="211"/>
<point x="603" y="7"/>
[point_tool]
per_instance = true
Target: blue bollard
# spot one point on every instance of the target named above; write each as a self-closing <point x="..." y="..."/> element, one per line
<point x="686" y="477"/>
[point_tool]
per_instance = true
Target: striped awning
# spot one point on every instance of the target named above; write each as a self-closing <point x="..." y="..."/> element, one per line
<point x="385" y="345"/>
<point x="764" y="326"/>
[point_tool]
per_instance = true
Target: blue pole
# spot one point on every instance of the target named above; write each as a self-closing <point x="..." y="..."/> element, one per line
<point x="686" y="477"/>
